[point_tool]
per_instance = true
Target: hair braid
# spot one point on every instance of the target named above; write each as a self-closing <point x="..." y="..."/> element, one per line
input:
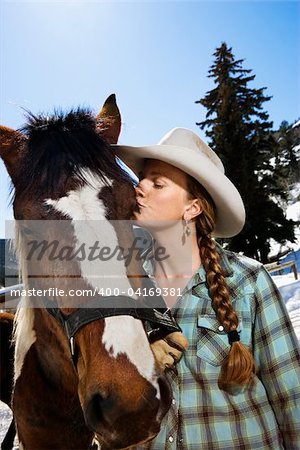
<point x="239" y="365"/>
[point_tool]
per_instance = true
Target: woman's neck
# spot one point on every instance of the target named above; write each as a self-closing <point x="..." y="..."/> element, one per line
<point x="181" y="261"/>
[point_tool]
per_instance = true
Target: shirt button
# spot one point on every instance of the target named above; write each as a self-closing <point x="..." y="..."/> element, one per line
<point x="171" y="439"/>
<point x="173" y="401"/>
<point x="221" y="328"/>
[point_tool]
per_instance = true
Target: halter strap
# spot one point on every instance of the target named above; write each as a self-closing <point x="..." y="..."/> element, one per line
<point x="97" y="310"/>
<point x="160" y="319"/>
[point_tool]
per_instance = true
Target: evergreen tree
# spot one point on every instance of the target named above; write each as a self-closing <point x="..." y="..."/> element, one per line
<point x="240" y="133"/>
<point x="288" y="155"/>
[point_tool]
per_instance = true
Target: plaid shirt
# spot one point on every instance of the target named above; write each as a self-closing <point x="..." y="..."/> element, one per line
<point x="266" y="414"/>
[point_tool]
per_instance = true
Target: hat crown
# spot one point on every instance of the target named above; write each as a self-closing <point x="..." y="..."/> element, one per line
<point x="183" y="137"/>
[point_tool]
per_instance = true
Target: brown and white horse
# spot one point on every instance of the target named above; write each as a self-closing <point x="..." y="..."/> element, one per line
<point x="62" y="169"/>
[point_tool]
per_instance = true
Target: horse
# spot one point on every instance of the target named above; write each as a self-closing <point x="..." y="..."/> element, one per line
<point x="6" y="372"/>
<point x="80" y="376"/>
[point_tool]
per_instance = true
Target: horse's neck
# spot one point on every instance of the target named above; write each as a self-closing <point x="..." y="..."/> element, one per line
<point x="46" y="412"/>
<point x="53" y="352"/>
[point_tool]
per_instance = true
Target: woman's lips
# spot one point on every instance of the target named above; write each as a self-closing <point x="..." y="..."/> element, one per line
<point x="137" y="208"/>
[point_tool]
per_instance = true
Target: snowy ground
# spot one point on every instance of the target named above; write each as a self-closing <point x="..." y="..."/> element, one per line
<point x="5" y="419"/>
<point x="290" y="291"/>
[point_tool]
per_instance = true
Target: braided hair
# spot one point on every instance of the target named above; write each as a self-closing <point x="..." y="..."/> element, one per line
<point x="238" y="367"/>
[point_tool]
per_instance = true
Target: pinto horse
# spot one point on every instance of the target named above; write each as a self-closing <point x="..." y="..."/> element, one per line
<point x="62" y="168"/>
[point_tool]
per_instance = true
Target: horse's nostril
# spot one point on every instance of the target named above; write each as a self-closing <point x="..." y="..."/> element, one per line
<point x="99" y="409"/>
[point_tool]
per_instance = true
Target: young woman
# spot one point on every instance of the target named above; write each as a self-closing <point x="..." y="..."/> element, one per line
<point x="237" y="386"/>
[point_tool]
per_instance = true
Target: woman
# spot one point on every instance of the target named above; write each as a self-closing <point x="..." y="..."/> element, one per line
<point x="237" y="386"/>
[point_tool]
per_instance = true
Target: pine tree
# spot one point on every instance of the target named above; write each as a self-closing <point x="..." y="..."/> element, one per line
<point x="240" y="133"/>
<point x="288" y="155"/>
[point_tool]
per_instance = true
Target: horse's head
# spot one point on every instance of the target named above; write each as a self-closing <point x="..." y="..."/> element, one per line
<point x="55" y="155"/>
<point x="64" y="171"/>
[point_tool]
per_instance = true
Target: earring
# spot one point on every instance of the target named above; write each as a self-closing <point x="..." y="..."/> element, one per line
<point x="187" y="227"/>
<point x="186" y="231"/>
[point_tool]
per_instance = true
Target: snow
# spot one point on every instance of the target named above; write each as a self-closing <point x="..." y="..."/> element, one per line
<point x="293" y="211"/>
<point x="283" y="280"/>
<point x="293" y="305"/>
<point x="277" y="248"/>
<point x="5" y="419"/>
<point x="296" y="124"/>
<point x="295" y="192"/>
<point x="289" y="288"/>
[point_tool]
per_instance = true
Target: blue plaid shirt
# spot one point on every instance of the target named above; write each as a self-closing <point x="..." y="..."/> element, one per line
<point x="266" y="414"/>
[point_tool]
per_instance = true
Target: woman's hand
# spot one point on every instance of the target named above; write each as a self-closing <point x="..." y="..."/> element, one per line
<point x="168" y="351"/>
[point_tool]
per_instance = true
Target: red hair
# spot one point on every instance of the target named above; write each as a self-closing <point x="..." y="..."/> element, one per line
<point x="238" y="367"/>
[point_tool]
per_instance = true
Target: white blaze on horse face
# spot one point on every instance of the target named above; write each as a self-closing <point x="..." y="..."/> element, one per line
<point x="82" y="203"/>
<point x="91" y="227"/>
<point x="124" y="334"/>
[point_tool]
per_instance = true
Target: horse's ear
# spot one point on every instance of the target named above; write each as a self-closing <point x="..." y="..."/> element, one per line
<point x="108" y="121"/>
<point x="11" y="148"/>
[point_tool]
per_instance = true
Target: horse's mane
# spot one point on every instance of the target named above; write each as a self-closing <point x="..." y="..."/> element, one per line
<point x="63" y="145"/>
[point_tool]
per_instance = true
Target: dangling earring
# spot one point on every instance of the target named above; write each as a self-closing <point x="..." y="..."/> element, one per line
<point x="186" y="231"/>
<point x="187" y="227"/>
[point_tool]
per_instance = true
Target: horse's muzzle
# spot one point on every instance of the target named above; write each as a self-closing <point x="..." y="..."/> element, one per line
<point x="119" y="428"/>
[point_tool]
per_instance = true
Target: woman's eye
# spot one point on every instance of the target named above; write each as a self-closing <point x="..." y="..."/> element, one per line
<point x="158" y="186"/>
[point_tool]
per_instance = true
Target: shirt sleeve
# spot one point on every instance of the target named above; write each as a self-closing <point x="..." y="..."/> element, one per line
<point x="277" y="356"/>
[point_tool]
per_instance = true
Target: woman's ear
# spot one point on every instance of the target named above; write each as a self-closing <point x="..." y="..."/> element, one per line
<point x="193" y="210"/>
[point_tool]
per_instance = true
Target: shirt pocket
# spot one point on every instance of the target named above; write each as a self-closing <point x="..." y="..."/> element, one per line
<point x="212" y="343"/>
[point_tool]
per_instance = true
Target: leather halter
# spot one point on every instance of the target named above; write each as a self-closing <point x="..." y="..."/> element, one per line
<point x="159" y="320"/>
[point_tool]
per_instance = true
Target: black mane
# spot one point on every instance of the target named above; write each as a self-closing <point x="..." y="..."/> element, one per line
<point x="63" y="145"/>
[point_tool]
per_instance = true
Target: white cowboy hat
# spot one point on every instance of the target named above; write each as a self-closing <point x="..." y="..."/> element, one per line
<point x="184" y="149"/>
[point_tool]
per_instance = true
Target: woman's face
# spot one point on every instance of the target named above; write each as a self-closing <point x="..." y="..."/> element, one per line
<point x="162" y="193"/>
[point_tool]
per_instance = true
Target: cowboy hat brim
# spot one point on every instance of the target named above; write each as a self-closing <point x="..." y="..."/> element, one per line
<point x="229" y="205"/>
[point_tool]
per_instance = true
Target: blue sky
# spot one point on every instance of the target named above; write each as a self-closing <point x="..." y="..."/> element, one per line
<point x="154" y="55"/>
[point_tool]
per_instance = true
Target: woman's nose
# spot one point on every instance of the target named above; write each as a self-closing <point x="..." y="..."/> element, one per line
<point x="139" y="191"/>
